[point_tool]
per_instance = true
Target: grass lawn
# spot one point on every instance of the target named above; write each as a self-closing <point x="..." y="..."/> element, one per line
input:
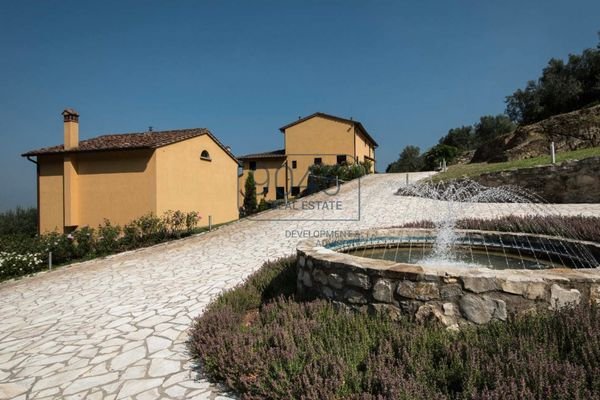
<point x="470" y="170"/>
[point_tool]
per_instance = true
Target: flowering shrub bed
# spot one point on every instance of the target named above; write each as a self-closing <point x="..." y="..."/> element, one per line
<point x="14" y="264"/>
<point x="25" y="254"/>
<point x="265" y="344"/>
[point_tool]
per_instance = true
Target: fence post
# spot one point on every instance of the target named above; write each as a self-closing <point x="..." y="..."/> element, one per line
<point x="553" y="152"/>
<point x="406" y="179"/>
<point x="210" y="222"/>
<point x="50" y="260"/>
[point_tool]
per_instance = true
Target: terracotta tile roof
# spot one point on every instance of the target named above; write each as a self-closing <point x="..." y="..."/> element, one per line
<point x="130" y="141"/>
<point x="333" y="117"/>
<point x="269" y="154"/>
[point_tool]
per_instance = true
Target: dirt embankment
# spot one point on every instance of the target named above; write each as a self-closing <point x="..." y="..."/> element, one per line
<point x="570" y="131"/>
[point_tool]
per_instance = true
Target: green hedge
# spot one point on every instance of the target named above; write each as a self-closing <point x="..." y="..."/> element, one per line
<point x="324" y="176"/>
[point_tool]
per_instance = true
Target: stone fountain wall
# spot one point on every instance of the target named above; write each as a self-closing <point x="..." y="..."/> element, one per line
<point x="455" y="296"/>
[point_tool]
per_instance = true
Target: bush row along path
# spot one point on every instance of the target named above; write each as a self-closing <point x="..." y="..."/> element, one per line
<point x="115" y="328"/>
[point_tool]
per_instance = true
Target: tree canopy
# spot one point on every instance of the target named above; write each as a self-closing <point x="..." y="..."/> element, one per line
<point x="438" y="153"/>
<point x="409" y="160"/>
<point x="563" y="87"/>
<point x="490" y="127"/>
<point x="463" y="138"/>
<point x="250" y="205"/>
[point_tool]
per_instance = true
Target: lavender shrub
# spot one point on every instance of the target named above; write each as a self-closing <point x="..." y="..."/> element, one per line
<point x="265" y="344"/>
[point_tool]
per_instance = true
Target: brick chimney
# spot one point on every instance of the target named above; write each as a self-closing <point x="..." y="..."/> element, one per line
<point x="70" y="176"/>
<point x="71" y="120"/>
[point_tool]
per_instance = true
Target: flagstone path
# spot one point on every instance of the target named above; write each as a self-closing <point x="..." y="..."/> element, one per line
<point x="115" y="328"/>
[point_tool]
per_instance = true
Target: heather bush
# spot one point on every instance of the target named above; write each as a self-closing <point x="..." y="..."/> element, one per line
<point x="264" y="343"/>
<point x="576" y="227"/>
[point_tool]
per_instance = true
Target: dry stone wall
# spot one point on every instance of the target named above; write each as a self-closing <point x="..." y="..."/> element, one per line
<point x="454" y="296"/>
<point x="568" y="182"/>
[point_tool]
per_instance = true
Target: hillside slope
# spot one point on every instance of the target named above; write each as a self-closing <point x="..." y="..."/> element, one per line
<point x="570" y="131"/>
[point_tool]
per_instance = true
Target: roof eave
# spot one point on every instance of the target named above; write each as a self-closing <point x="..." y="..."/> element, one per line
<point x="259" y="157"/>
<point x="63" y="152"/>
<point x="317" y="114"/>
<point x="37" y="153"/>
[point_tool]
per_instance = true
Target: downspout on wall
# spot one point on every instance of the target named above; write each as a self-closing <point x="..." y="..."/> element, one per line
<point x="37" y="189"/>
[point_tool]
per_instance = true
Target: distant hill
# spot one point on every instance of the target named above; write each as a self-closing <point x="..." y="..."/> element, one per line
<point x="570" y="131"/>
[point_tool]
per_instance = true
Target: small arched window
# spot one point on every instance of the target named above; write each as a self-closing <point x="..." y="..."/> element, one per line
<point x="204" y="155"/>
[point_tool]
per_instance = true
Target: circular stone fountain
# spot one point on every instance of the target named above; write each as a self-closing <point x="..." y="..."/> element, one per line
<point x="457" y="276"/>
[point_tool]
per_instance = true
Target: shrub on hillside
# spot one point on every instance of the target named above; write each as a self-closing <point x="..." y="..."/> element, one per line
<point x="263" y="343"/>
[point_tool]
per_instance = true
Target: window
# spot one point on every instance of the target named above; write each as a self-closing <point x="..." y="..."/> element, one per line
<point x="294" y="164"/>
<point x="318" y="160"/>
<point x="279" y="192"/>
<point x="295" y="190"/>
<point x="205" y="155"/>
<point x="265" y="190"/>
<point x="341" y="159"/>
<point x="252" y="165"/>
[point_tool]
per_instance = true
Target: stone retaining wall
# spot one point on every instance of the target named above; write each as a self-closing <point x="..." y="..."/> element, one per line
<point x="453" y="295"/>
<point x="567" y="182"/>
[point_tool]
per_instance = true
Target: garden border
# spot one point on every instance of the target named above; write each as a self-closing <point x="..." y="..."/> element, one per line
<point x="453" y="295"/>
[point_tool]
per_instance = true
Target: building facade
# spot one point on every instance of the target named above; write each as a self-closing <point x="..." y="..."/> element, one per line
<point x="124" y="176"/>
<point x="317" y="139"/>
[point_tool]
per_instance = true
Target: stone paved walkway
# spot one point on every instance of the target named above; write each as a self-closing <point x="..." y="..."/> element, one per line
<point x="115" y="328"/>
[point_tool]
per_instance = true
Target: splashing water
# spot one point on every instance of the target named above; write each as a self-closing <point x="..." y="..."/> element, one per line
<point x="457" y="199"/>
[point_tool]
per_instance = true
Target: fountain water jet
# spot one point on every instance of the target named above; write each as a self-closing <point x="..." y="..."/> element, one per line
<point x="459" y="198"/>
<point x="525" y="257"/>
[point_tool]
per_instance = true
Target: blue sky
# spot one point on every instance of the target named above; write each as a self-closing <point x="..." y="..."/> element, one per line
<point x="408" y="70"/>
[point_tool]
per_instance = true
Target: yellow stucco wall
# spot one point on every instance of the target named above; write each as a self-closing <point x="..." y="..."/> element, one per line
<point x="317" y="137"/>
<point x="50" y="181"/>
<point x="70" y="191"/>
<point x="188" y="183"/>
<point x="364" y="149"/>
<point x="269" y="173"/>
<point x="123" y="185"/>
<point x="119" y="186"/>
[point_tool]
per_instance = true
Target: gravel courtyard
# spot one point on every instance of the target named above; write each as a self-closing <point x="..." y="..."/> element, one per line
<point x="115" y="328"/>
